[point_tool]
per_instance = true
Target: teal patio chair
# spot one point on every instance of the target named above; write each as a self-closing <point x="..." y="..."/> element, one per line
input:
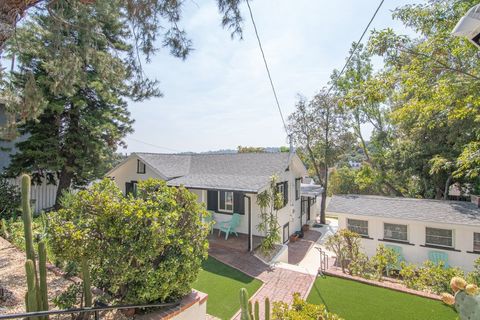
<point x="230" y="226"/>
<point x="210" y="219"/>
<point x="400" y="258"/>
<point x="438" y="257"/>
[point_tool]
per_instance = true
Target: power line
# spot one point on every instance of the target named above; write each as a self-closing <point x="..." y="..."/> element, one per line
<point x="266" y="67"/>
<point x="356" y="44"/>
<point x="153" y="145"/>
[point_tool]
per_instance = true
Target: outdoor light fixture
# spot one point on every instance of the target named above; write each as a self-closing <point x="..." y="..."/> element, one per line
<point x="469" y="26"/>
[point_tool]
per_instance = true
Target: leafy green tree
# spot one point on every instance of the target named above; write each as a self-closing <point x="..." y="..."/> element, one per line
<point x="140" y="250"/>
<point x="319" y="127"/>
<point x="241" y="149"/>
<point x="342" y="181"/>
<point x="430" y="84"/>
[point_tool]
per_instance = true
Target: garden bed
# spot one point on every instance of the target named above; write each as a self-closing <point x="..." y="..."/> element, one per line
<point x="14" y="282"/>
<point x="276" y="255"/>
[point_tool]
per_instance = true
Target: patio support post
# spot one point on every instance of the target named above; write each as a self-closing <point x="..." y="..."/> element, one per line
<point x="250" y="237"/>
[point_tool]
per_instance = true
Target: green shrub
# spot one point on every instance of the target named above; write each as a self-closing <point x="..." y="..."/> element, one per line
<point x="383" y="258"/>
<point x="429" y="276"/>
<point x="9" y="200"/>
<point x="346" y="246"/>
<point x="301" y="310"/>
<point x="143" y="249"/>
<point x="474" y="276"/>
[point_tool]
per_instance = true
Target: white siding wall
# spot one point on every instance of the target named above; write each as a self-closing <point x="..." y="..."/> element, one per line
<point x="128" y="172"/>
<point x="43" y="195"/>
<point x="462" y="239"/>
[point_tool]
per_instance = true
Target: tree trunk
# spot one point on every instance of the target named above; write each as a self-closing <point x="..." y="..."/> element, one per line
<point x="10" y="12"/>
<point x="447" y="187"/>
<point x="64" y="183"/>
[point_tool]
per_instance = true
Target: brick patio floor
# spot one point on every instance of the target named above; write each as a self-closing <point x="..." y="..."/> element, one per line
<point x="278" y="284"/>
<point x="298" y="250"/>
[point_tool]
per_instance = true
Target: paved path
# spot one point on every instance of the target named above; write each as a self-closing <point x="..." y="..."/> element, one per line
<point x="279" y="284"/>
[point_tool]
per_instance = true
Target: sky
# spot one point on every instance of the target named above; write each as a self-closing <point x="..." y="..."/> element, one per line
<point x="220" y="97"/>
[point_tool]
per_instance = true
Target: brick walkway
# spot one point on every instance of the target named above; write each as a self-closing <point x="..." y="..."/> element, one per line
<point x="278" y="284"/>
<point x="298" y="250"/>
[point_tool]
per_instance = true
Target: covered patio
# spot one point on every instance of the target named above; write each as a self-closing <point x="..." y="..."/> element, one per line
<point x="233" y="242"/>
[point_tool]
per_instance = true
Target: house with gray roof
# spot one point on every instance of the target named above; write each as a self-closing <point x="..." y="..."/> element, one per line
<point x="227" y="183"/>
<point x="418" y="228"/>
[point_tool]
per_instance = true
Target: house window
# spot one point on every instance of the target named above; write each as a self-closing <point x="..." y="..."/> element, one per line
<point x="282" y="188"/>
<point x="476" y="242"/>
<point x="358" y="226"/>
<point x="439" y="237"/>
<point x="131" y="188"/>
<point x="140" y="167"/>
<point x="396" y="232"/>
<point x="225" y="201"/>
<point x="297" y="188"/>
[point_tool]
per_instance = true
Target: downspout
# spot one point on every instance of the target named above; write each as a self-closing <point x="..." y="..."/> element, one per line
<point x="250" y="237"/>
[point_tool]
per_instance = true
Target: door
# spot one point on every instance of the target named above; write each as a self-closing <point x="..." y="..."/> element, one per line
<point x="286" y="232"/>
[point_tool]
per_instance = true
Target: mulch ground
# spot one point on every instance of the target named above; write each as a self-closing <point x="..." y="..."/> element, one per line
<point x="13" y="281"/>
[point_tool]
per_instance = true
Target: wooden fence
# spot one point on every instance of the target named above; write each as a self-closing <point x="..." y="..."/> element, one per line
<point x="43" y="195"/>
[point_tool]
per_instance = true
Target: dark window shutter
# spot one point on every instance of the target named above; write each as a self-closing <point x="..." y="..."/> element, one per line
<point x="212" y="200"/>
<point x="285" y="193"/>
<point x="238" y="203"/>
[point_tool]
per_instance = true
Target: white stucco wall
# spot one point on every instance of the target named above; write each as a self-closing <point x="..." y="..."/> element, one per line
<point x="415" y="253"/>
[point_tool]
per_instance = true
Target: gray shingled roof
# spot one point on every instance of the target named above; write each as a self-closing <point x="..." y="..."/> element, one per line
<point x="454" y="212"/>
<point x="233" y="171"/>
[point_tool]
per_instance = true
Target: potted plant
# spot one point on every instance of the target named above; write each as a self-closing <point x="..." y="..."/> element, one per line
<point x="294" y="237"/>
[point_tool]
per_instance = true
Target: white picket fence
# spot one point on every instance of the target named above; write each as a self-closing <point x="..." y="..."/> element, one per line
<point x="43" y="195"/>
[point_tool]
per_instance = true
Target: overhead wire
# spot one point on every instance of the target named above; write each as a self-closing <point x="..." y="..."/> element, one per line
<point x="267" y="68"/>
<point x="356" y="45"/>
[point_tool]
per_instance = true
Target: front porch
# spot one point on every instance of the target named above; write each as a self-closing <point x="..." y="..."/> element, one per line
<point x="233" y="242"/>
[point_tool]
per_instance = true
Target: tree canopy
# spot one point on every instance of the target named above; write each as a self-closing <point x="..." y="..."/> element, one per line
<point x="422" y="103"/>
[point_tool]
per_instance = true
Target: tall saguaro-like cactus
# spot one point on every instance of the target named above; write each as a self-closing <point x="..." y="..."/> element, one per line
<point x="37" y="296"/>
<point x="246" y="307"/>
<point x="27" y="219"/>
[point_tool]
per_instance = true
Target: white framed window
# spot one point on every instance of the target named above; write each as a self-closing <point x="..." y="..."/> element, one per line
<point x="397" y="232"/>
<point x="140" y="167"/>
<point x="225" y="201"/>
<point x="476" y="242"/>
<point x="439" y="237"/>
<point x="358" y="226"/>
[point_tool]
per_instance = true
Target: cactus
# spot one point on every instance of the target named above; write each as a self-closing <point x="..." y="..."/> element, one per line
<point x="31" y="296"/>
<point x="257" y="310"/>
<point x="42" y="270"/>
<point x="27" y="219"/>
<point x="87" y="292"/>
<point x="466" y="300"/>
<point x="267" y="309"/>
<point x="246" y="307"/>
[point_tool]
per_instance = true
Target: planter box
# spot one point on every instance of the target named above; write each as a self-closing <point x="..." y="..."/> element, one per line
<point x="293" y="237"/>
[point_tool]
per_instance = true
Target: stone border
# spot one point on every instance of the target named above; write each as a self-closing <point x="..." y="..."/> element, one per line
<point x="395" y="286"/>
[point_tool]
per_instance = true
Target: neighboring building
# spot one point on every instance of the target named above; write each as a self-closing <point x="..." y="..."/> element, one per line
<point x="43" y="195"/>
<point x="226" y="183"/>
<point x="416" y="225"/>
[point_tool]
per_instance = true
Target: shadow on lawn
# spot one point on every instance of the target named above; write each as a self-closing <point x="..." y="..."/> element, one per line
<point x="319" y="294"/>
<point x="214" y="266"/>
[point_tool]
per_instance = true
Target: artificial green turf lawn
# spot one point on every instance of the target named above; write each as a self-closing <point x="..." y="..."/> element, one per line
<point x="222" y="283"/>
<point x="357" y="301"/>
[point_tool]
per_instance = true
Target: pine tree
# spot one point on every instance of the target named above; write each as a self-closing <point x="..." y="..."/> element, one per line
<point x="85" y="117"/>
